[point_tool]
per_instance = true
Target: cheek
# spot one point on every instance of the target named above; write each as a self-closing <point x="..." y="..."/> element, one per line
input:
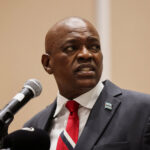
<point x="99" y="59"/>
<point x="99" y="63"/>
<point x="62" y="64"/>
<point x="59" y="60"/>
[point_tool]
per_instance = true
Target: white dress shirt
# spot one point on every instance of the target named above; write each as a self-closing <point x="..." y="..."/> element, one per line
<point x="86" y="101"/>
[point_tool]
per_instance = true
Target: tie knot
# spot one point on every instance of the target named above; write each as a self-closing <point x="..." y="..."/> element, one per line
<point x="72" y="106"/>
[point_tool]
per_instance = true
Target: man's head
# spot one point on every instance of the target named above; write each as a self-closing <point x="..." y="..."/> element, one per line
<point x="73" y="56"/>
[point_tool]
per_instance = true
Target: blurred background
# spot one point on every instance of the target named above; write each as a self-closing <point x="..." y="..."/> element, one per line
<point x="124" y="27"/>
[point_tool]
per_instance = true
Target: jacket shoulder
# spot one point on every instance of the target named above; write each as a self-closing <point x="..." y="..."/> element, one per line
<point x="41" y="118"/>
<point x="125" y="94"/>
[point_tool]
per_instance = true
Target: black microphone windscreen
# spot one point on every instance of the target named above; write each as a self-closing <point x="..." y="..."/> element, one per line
<point x="27" y="139"/>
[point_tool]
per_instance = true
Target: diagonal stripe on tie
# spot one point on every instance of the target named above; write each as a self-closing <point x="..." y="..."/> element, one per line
<point x="70" y="140"/>
<point x="66" y="142"/>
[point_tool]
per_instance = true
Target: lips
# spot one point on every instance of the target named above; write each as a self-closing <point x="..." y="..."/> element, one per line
<point x="85" y="70"/>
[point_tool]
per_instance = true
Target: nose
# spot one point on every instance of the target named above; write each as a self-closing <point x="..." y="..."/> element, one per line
<point x="84" y="55"/>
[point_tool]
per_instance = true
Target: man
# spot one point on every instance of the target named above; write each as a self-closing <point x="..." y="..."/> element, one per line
<point x="107" y="117"/>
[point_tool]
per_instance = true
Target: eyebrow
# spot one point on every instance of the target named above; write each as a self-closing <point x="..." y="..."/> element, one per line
<point x="74" y="40"/>
<point x="93" y="38"/>
<point x="69" y="40"/>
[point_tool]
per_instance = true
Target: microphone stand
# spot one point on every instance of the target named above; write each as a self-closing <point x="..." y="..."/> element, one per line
<point x="5" y="120"/>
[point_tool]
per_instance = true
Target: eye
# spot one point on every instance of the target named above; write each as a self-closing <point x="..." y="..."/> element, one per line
<point x="95" y="48"/>
<point x="70" y="49"/>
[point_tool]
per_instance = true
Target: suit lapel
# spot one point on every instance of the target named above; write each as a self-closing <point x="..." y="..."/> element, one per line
<point x="99" y="117"/>
<point x="48" y="116"/>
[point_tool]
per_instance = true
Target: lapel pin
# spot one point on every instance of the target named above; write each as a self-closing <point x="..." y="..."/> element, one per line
<point x="108" y="106"/>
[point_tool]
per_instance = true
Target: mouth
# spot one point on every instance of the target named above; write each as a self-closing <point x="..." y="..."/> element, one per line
<point x="85" y="70"/>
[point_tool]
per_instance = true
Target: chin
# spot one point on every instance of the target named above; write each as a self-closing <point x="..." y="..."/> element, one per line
<point x="87" y="84"/>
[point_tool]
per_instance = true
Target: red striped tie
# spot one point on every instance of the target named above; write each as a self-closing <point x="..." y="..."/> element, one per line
<point x="69" y="137"/>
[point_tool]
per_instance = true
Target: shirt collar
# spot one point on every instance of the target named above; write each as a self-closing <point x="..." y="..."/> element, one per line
<point x="86" y="100"/>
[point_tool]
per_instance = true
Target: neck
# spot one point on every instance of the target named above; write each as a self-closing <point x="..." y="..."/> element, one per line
<point x="74" y="93"/>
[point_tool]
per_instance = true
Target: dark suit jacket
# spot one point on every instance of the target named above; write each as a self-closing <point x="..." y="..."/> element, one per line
<point x="125" y="127"/>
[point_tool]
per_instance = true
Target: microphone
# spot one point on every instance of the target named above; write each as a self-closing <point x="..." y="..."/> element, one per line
<point x="31" y="88"/>
<point x="27" y="139"/>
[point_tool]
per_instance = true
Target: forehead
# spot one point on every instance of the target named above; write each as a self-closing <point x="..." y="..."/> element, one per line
<point x="73" y="23"/>
<point x="71" y="29"/>
<point x="76" y="27"/>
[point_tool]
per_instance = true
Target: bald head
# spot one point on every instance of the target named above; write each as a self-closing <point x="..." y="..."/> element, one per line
<point x="63" y="27"/>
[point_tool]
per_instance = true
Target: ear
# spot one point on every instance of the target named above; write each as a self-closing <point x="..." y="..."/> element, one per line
<point x="46" y="63"/>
